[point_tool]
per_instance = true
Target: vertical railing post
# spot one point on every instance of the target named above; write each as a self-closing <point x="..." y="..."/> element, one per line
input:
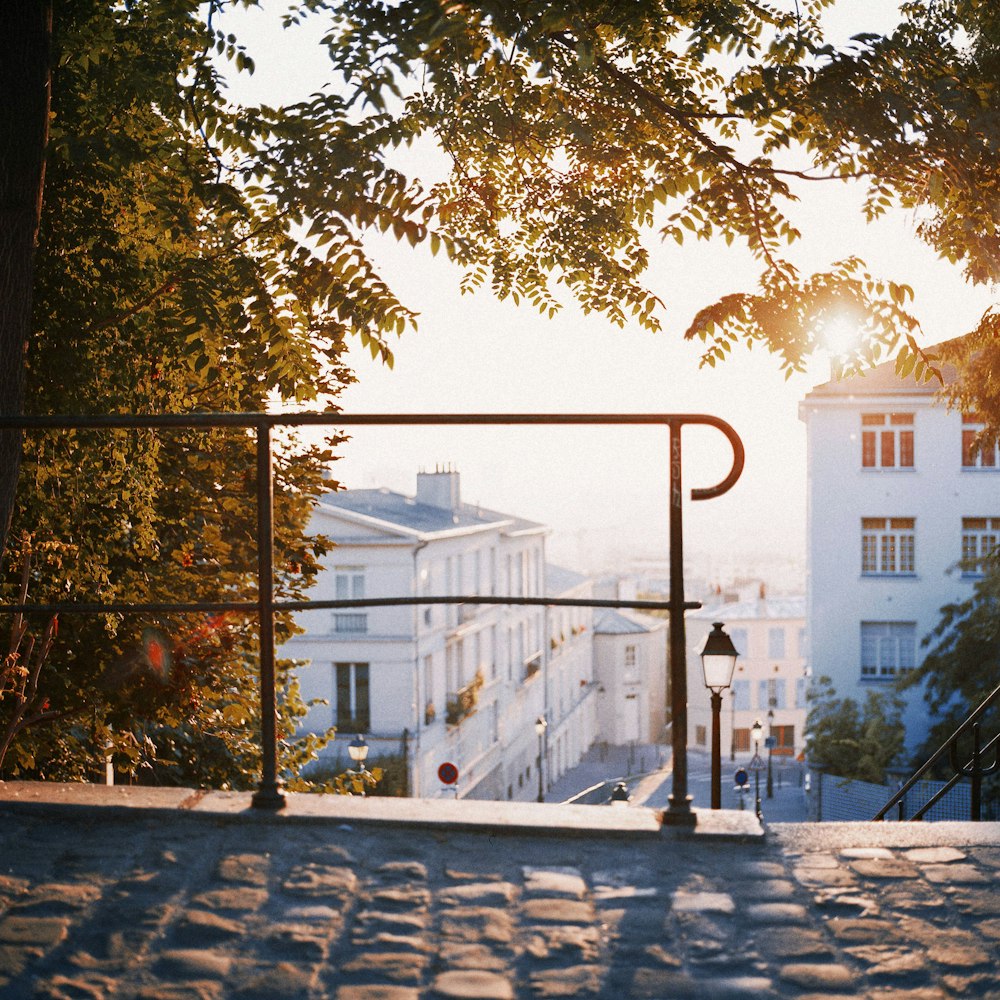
<point x="679" y="811"/>
<point x="268" y="795"/>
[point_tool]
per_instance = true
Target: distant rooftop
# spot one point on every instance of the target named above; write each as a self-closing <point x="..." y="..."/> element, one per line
<point x="754" y="609"/>
<point x="613" y="622"/>
<point x="558" y="579"/>
<point x="399" y="509"/>
<point x="417" y="515"/>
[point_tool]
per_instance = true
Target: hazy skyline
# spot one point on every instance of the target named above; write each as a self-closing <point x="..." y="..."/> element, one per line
<point x="603" y="490"/>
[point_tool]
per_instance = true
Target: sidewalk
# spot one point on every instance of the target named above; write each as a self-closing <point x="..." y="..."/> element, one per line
<point x="605" y="762"/>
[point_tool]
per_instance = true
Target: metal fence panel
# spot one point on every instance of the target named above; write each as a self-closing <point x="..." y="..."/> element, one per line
<point x="845" y="800"/>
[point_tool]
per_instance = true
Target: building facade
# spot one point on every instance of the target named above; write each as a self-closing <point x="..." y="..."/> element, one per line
<point x="771" y="677"/>
<point x="630" y="656"/>
<point x="462" y="684"/>
<point x="901" y="509"/>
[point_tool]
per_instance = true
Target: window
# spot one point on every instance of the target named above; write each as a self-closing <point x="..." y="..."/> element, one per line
<point x="887" y="649"/>
<point x="350" y="622"/>
<point x="741" y="695"/>
<point x="352" y="708"/>
<point x="741" y="740"/>
<point x="771" y="693"/>
<point x="777" y="693"/>
<point x="803" y="643"/>
<point x="429" y="678"/>
<point x="785" y="737"/>
<point x="630" y="657"/>
<point x="740" y="640"/>
<point x="887" y="440"/>
<point x="974" y="456"/>
<point x="887" y="545"/>
<point x="349" y="583"/>
<point x="700" y="736"/>
<point x="801" y="687"/>
<point x="979" y="538"/>
<point x="776" y="643"/>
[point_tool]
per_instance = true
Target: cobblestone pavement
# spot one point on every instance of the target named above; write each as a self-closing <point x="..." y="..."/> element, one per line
<point x="100" y="904"/>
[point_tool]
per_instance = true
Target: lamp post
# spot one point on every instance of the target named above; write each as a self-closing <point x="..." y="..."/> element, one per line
<point x="358" y="750"/>
<point x="756" y="732"/>
<point x="540" y="726"/>
<point x="770" y="751"/>
<point x="718" y="661"/>
<point x="732" y="728"/>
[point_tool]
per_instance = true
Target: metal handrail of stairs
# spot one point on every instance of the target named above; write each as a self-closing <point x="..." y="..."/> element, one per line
<point x="975" y="769"/>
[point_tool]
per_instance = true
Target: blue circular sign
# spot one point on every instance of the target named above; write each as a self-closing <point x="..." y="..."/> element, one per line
<point x="741" y="777"/>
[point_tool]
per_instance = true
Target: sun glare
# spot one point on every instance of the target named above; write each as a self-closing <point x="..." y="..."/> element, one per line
<point x="841" y="335"/>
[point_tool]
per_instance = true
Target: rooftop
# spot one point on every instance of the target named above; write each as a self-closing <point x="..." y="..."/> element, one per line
<point x="755" y="609"/>
<point x="882" y="380"/>
<point x="178" y="895"/>
<point x="559" y="580"/>
<point x="403" y="511"/>
<point x="613" y="622"/>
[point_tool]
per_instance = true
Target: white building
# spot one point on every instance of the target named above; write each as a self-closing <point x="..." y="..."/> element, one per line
<point x="900" y="509"/>
<point x="770" y="680"/>
<point x="461" y="684"/>
<point x="630" y="655"/>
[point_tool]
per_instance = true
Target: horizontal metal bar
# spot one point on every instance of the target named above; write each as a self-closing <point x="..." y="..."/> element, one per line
<point x="371" y="602"/>
<point x="194" y="420"/>
<point x="546" y="602"/>
<point x="120" y="608"/>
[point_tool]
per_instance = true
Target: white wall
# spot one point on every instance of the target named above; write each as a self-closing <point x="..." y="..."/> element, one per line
<point x="938" y="492"/>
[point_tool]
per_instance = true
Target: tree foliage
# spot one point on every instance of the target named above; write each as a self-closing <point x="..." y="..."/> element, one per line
<point x="853" y="741"/>
<point x="573" y="127"/>
<point x="162" y="285"/>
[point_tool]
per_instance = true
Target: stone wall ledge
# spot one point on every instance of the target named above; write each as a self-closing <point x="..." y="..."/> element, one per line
<point x="555" y="819"/>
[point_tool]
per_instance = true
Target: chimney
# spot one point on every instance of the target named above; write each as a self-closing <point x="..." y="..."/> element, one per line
<point x="439" y="488"/>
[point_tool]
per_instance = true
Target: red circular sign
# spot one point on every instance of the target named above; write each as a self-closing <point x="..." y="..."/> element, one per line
<point x="448" y="773"/>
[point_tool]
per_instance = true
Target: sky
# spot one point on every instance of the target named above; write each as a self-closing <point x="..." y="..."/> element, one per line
<point x="603" y="490"/>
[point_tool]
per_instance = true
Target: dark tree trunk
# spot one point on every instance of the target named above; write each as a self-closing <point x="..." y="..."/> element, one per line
<point x="25" y="38"/>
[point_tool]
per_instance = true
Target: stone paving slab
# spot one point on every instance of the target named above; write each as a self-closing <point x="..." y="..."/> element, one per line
<point x="106" y="903"/>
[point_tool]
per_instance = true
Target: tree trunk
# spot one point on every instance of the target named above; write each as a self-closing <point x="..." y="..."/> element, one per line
<point x="25" y="39"/>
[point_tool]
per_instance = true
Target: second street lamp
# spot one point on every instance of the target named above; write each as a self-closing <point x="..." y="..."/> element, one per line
<point x="358" y="750"/>
<point x="756" y="733"/>
<point x="718" y="661"/>
<point x="540" y="727"/>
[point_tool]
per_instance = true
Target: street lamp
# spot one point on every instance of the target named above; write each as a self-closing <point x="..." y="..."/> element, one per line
<point x="756" y="732"/>
<point x="540" y="726"/>
<point x="358" y="750"/>
<point x="732" y="726"/>
<point x="718" y="661"/>
<point x="770" y="751"/>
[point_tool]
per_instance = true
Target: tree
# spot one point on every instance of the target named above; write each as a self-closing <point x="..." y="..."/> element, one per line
<point x="962" y="667"/>
<point x="853" y="742"/>
<point x="160" y="287"/>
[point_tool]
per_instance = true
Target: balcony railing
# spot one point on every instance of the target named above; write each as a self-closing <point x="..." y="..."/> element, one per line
<point x="264" y="606"/>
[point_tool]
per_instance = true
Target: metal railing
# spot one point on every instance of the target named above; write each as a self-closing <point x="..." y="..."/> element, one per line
<point x="975" y="769"/>
<point x="268" y="794"/>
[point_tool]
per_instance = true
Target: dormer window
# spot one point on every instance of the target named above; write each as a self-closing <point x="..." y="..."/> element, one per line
<point x="887" y="440"/>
